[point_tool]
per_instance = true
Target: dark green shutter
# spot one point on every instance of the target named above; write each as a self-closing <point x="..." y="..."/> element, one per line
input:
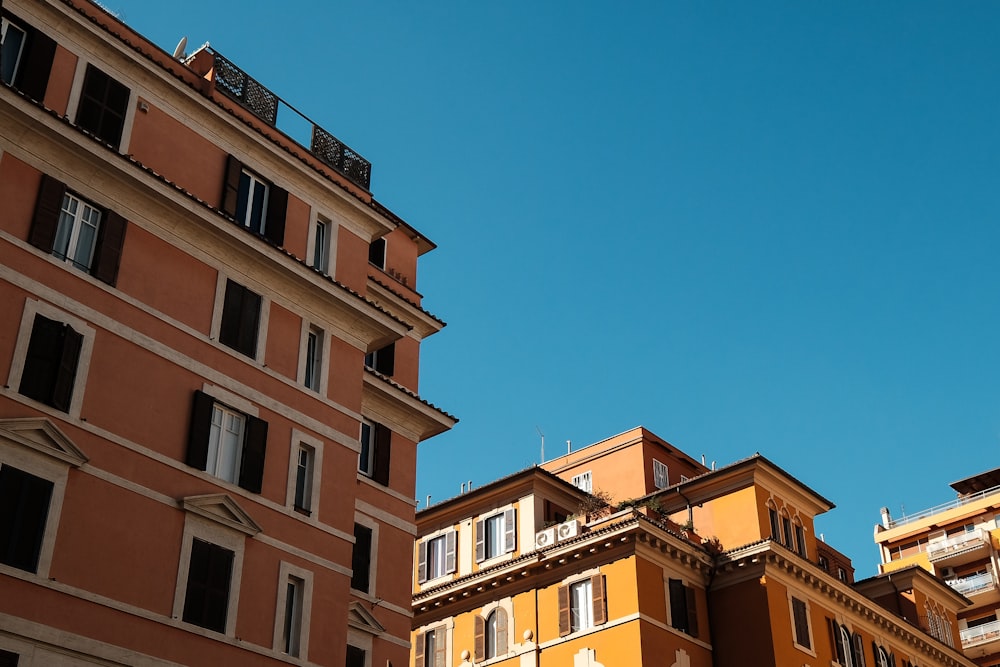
<point x="69" y="358"/>
<point x="110" y="239"/>
<point x="199" y="430"/>
<point x="231" y="186"/>
<point x="383" y="446"/>
<point x="277" y="207"/>
<point x="361" y="558"/>
<point x="47" y="208"/>
<point x="254" y="451"/>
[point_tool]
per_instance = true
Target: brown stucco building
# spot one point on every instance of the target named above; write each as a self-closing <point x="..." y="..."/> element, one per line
<point x="209" y="344"/>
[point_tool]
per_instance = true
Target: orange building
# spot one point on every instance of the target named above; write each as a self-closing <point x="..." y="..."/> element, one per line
<point x="629" y="552"/>
<point x="959" y="543"/>
<point x="209" y="347"/>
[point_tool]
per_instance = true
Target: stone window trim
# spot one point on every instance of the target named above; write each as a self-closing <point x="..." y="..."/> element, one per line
<point x="34" y="307"/>
<point x="322" y="353"/>
<point x="504" y="550"/>
<point x="299" y="440"/>
<point x="262" y="321"/>
<point x="449" y="538"/>
<point x="504" y="606"/>
<point x="219" y="520"/>
<point x="811" y="638"/>
<point x="38" y="447"/>
<point x="373" y="525"/>
<point x="76" y="93"/>
<point x="599" y="603"/>
<point x="327" y="255"/>
<point x="285" y="572"/>
<point x="445" y="632"/>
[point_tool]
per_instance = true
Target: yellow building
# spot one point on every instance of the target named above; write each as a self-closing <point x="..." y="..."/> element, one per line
<point x="958" y="542"/>
<point x="657" y="560"/>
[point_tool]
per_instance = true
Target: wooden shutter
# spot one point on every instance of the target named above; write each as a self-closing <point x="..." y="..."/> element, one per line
<point x="199" y="430"/>
<point x="25" y="501"/>
<point x="69" y="357"/>
<point x="422" y="561"/>
<point x="418" y="650"/>
<point x="480" y="541"/>
<point x="450" y="542"/>
<point x="565" y="626"/>
<point x="32" y="77"/>
<point x="361" y="558"/>
<point x="41" y="364"/>
<point x="254" y="450"/>
<point x="240" y="319"/>
<point x="479" y="639"/>
<point x="46" y="218"/>
<point x="838" y="651"/>
<point x="231" y="186"/>
<point x="383" y="447"/>
<point x="692" y="611"/>
<point x="110" y="239"/>
<point x="509" y="531"/>
<point x="249" y="323"/>
<point x="599" y="599"/>
<point x="501" y="647"/>
<point x="274" y="224"/>
<point x="678" y="604"/>
<point x="207" y="598"/>
<point x="440" y="654"/>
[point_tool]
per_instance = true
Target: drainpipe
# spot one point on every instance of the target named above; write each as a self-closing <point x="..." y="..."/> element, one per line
<point x="689" y="508"/>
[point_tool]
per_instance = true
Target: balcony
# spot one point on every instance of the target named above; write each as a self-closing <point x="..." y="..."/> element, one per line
<point x="981" y="634"/>
<point x="938" y="509"/>
<point x="271" y="109"/>
<point x="977" y="583"/>
<point x="958" y="549"/>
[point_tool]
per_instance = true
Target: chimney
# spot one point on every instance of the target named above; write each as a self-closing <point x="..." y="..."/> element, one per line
<point x="886" y="518"/>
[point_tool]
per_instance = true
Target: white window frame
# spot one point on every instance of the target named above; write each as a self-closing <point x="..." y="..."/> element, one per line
<point x="33" y="307"/>
<point x="436" y="558"/>
<point x="255" y="181"/>
<point x="661" y="474"/>
<point x="320" y="244"/>
<point x="581" y="605"/>
<point x="216" y="444"/>
<point x="314" y="358"/>
<point x="302" y="614"/>
<point x="811" y="649"/>
<point x="302" y="441"/>
<point x="5" y="27"/>
<point x="75" y="213"/>
<point x="583" y="481"/>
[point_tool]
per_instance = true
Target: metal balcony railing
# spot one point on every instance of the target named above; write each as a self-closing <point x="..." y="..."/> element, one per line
<point x="958" y="502"/>
<point x="942" y="548"/>
<point x="981" y="634"/>
<point x="265" y="105"/>
<point x="977" y="583"/>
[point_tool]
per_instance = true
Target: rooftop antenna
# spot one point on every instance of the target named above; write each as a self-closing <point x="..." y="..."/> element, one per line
<point x="543" y="442"/>
<point x="179" y="51"/>
<point x="569" y="446"/>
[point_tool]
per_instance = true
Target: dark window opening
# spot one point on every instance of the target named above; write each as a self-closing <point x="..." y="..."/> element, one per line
<point x="206" y="601"/>
<point x="376" y="253"/>
<point x="24" y="499"/>
<point x="240" y="319"/>
<point x="26" y="57"/>
<point x="51" y="363"/>
<point x="103" y="103"/>
<point x="361" y="558"/>
<point x="382" y="361"/>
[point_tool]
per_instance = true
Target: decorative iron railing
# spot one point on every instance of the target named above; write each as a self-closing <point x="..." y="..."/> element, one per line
<point x="262" y="103"/>
<point x="958" y="502"/>
<point x="981" y="634"/>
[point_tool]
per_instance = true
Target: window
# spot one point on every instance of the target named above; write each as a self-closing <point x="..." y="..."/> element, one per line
<point x="227" y="443"/>
<point x="582" y="481"/>
<point x="51" y="363"/>
<point x="496" y="633"/>
<point x="78" y="231"/>
<point x="382" y="361"/>
<point x="842" y="574"/>
<point x="430" y="648"/>
<point x="25" y="58"/>
<point x="292" y="625"/>
<point x="683" y="607"/>
<point x="102" y="108"/>
<point x="206" y="600"/>
<point x="355" y="656"/>
<point x="882" y="657"/>
<point x="800" y="539"/>
<point x="582" y="605"/>
<point x="321" y="245"/>
<point x="253" y="202"/>
<point x="376" y="442"/>
<point x="786" y="530"/>
<point x="660" y="477"/>
<point x="849" y="650"/>
<point x="772" y="516"/>
<point x="436" y="556"/>
<point x="361" y="558"/>
<point x="12" y="38"/>
<point x="800" y="623"/>
<point x="314" y="358"/>
<point x="8" y="658"/>
<point x="304" y="468"/>
<point x="495" y="535"/>
<point x="25" y="501"/>
<point x="824" y="563"/>
<point x="376" y="253"/>
<point x="240" y="319"/>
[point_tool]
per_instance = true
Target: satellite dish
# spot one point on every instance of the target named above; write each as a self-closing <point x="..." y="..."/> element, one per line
<point x="179" y="51"/>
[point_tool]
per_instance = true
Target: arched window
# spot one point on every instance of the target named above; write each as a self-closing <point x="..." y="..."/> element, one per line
<point x="800" y="537"/>
<point x="786" y="530"/>
<point x="881" y="657"/>
<point x="491" y="635"/>
<point x="772" y="515"/>
<point x="845" y="651"/>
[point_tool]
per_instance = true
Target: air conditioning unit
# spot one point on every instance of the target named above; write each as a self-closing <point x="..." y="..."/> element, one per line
<point x="947" y="573"/>
<point x="544" y="538"/>
<point x="568" y="530"/>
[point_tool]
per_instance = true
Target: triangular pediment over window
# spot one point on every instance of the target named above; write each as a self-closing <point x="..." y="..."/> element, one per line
<point x="361" y="619"/>
<point x="41" y="435"/>
<point x="222" y="509"/>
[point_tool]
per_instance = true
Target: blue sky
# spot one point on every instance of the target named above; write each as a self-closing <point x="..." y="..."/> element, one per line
<point x="765" y="226"/>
